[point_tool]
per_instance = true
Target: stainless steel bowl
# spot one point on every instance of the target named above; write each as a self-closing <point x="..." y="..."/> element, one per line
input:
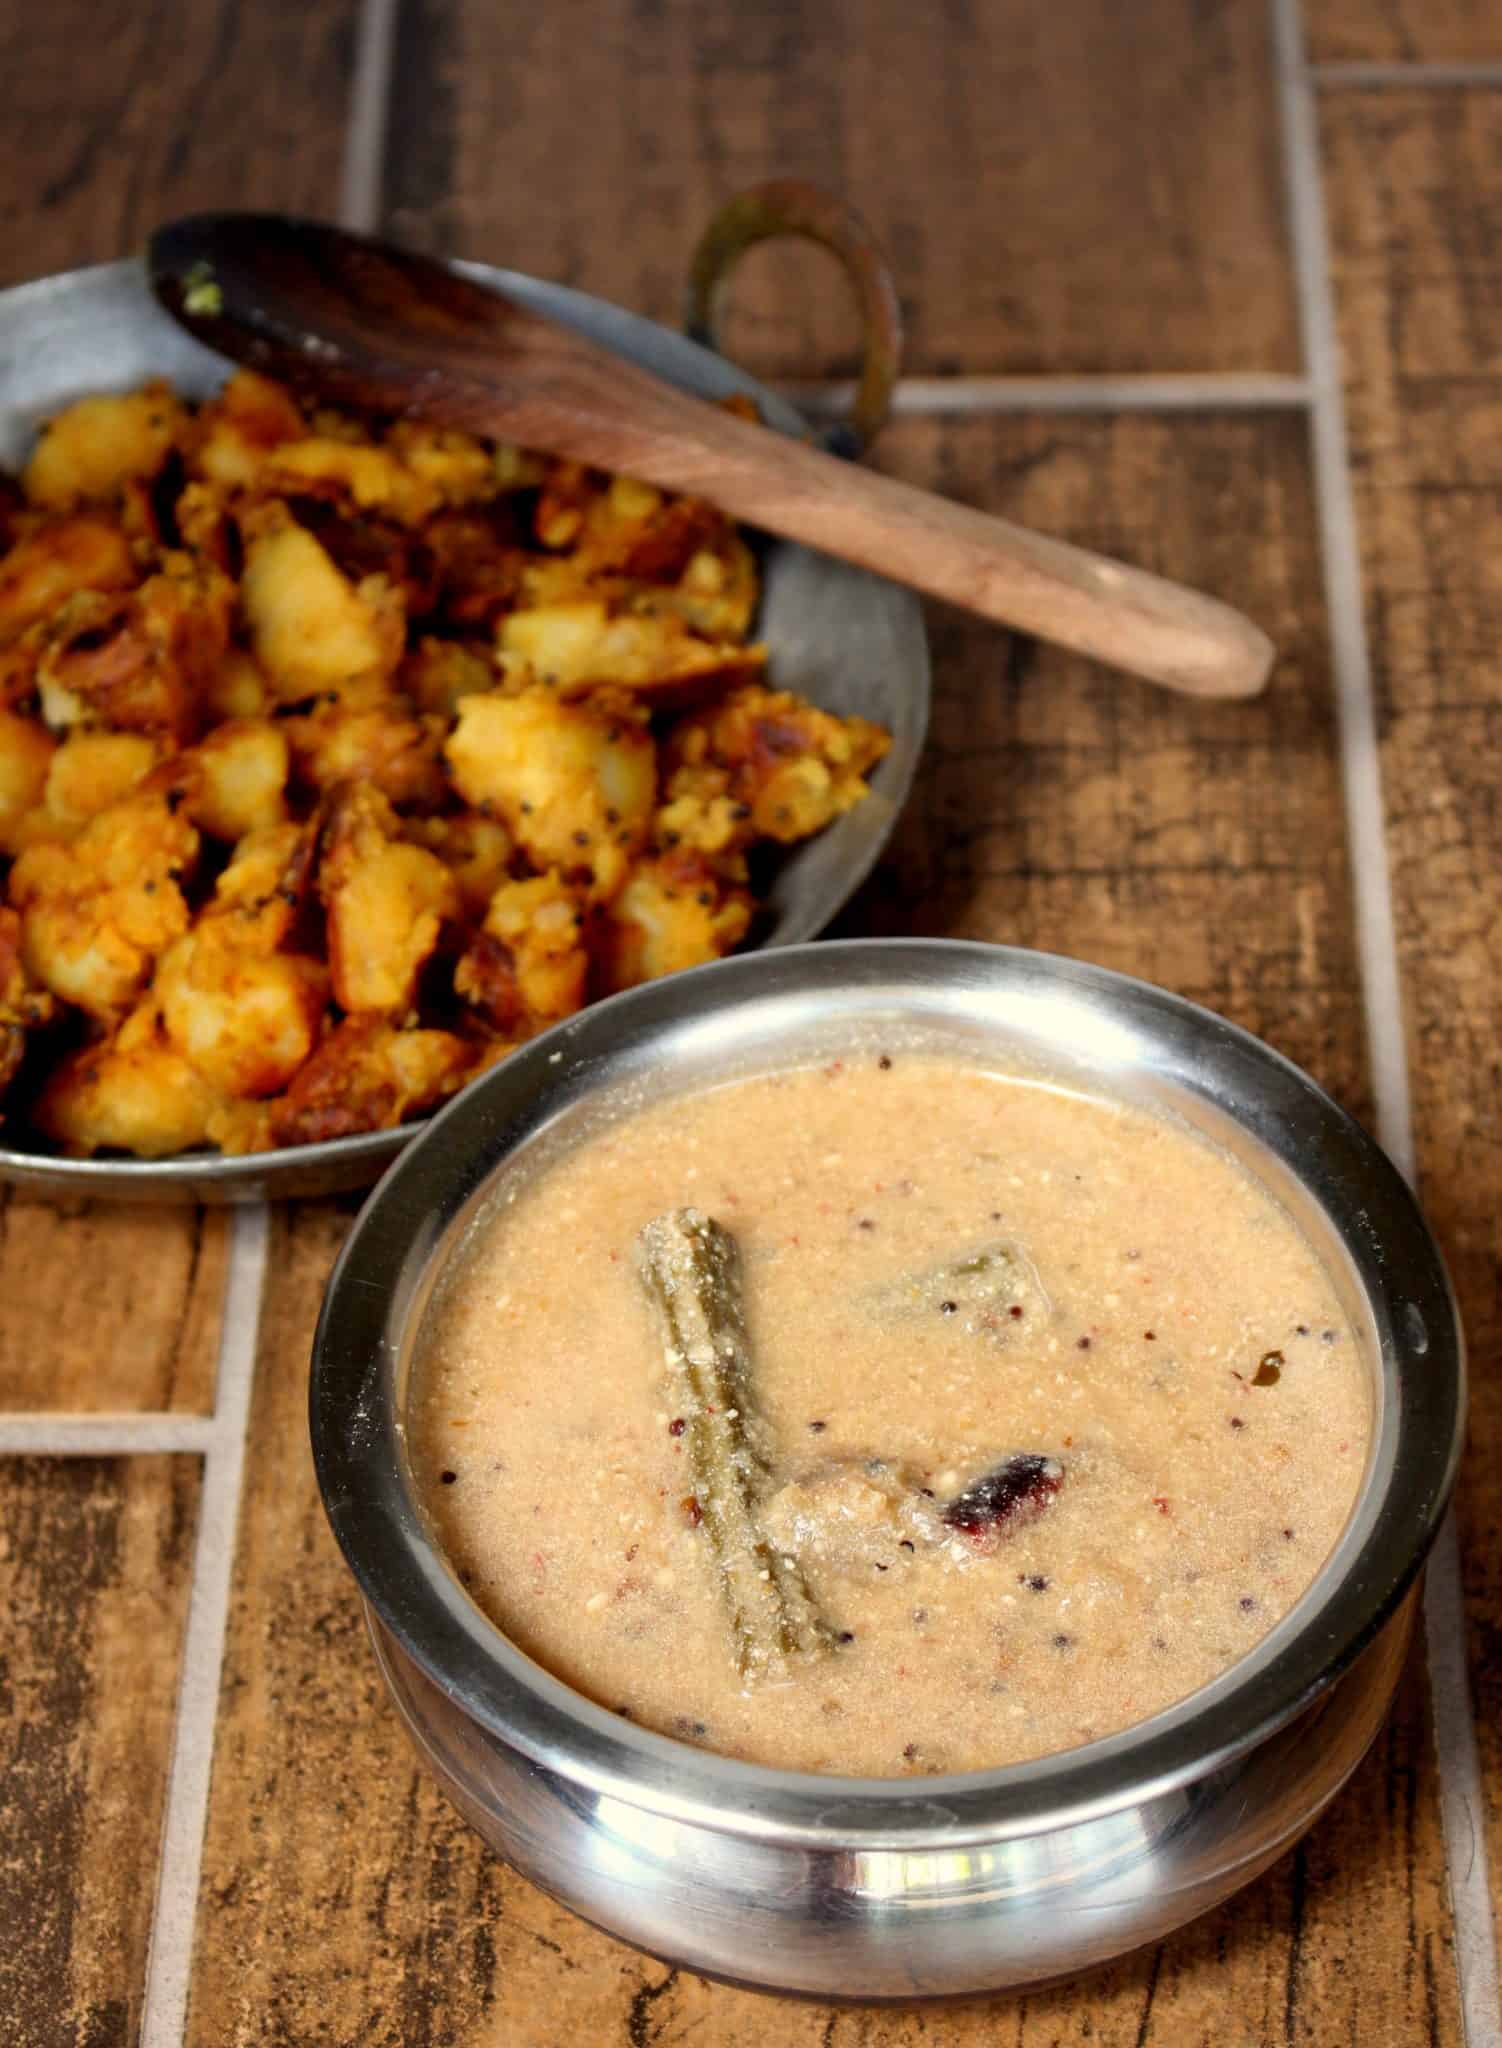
<point x="889" y="1889"/>
<point x="845" y="639"/>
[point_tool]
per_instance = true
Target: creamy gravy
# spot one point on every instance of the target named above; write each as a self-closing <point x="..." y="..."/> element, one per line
<point x="1172" y="1348"/>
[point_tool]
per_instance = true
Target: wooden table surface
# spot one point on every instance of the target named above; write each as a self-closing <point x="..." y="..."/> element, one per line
<point x="1215" y="287"/>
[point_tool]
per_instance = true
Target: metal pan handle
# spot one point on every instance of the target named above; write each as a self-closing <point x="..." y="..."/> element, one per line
<point x="790" y="206"/>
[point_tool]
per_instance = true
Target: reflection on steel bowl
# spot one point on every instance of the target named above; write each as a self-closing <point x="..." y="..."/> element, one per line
<point x="845" y="640"/>
<point x="894" y="1888"/>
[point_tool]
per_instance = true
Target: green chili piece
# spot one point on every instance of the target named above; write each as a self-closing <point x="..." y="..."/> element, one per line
<point x="984" y="1286"/>
<point x="690" y="1269"/>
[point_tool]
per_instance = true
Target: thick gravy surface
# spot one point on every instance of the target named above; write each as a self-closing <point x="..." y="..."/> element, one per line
<point x="1056" y="1413"/>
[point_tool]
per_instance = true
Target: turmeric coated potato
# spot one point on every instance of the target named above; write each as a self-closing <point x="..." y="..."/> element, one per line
<point x="97" y="446"/>
<point x="56" y="561"/>
<point x="97" y="913"/>
<point x="529" y="964"/>
<point x="584" y="643"/>
<point x="674" y="912"/>
<point x="132" y="1092"/>
<point x="88" y="772"/>
<point x="338" y="759"/>
<point x="369" y="1076"/>
<point x="245" y="1020"/>
<point x="574" y="783"/>
<point x="26" y="751"/>
<point x="235" y="434"/>
<point x="386" y="902"/>
<point x="385" y="744"/>
<point x="137" y="661"/>
<point x="235" y="780"/>
<point x="310" y="628"/>
<point x="791" y="766"/>
<point x="475" y="850"/>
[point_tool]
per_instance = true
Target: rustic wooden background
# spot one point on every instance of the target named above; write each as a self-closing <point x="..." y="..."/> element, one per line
<point x="1206" y="285"/>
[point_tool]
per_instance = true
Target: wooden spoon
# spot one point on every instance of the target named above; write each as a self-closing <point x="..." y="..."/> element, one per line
<point x="364" y="324"/>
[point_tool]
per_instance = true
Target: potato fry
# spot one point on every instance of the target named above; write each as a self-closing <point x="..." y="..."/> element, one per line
<point x="339" y="758"/>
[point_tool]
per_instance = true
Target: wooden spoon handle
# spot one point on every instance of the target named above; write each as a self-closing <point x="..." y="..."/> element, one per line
<point x="372" y="326"/>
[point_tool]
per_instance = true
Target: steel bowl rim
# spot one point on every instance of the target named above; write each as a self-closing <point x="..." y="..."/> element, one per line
<point x="343" y="1163"/>
<point x="412" y="1593"/>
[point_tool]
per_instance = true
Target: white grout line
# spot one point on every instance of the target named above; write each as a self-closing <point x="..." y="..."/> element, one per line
<point x="171" y="1957"/>
<point x="102" y="1436"/>
<point x="362" y="183"/>
<point x="1377" y="77"/>
<point x="1190" y="392"/>
<point x="1445" y="1634"/>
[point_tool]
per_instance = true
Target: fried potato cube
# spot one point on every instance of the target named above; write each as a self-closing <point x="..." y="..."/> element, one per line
<point x="237" y="688"/>
<point x="528" y="965"/>
<point x="242" y="1010"/>
<point x="475" y="850"/>
<point x="647" y="537"/>
<point x="384" y="744"/>
<point x="372" y="478"/>
<point x="674" y="912"/>
<point x="718" y="589"/>
<point x="700" y="814"/>
<point x="794" y="767"/>
<point x="130" y="1093"/>
<point x="26" y="750"/>
<point x="246" y="1021"/>
<point x="584" y="642"/>
<point x="235" y="434"/>
<point x="93" y="448"/>
<point x="460" y="468"/>
<point x="97" y="913"/>
<point x="574" y="782"/>
<point x="234" y="781"/>
<point x="662" y="554"/>
<point x="55" y="562"/>
<point x="266" y="884"/>
<point x="311" y="628"/>
<point x="23" y="1006"/>
<point x="137" y="661"/>
<point x="242" y="1126"/>
<point x="89" y="772"/>
<point x="369" y="1076"/>
<point x="386" y="901"/>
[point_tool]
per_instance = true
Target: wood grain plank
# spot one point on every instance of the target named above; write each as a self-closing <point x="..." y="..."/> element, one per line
<point x="342" y="1900"/>
<point x="1416" y="200"/>
<point x="120" y="115"/>
<point x="1042" y="212"/>
<point x="1198" y="845"/>
<point x="1404" y="31"/>
<point x="116" y="117"/>
<point x="95" y="1556"/>
<point x="109" y="1308"/>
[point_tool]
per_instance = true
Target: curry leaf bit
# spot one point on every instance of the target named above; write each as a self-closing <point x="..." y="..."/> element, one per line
<point x="690" y="1269"/>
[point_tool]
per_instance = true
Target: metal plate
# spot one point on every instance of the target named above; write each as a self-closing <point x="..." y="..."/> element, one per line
<point x="843" y="638"/>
